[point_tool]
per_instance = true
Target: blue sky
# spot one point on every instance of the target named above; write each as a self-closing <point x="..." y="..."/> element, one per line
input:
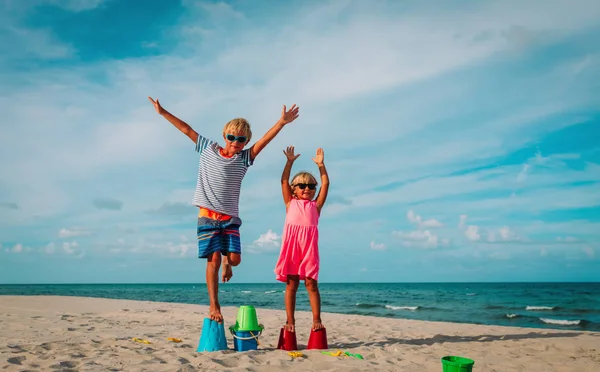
<point x="461" y="137"/>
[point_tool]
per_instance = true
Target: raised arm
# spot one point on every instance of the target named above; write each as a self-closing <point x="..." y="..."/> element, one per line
<point x="287" y="116"/>
<point x="286" y="189"/>
<point x="319" y="159"/>
<point x="178" y="123"/>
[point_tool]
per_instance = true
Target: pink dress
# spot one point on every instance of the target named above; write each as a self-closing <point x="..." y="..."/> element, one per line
<point x="300" y="242"/>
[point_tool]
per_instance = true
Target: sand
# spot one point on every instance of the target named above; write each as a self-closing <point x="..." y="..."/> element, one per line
<point x="53" y="333"/>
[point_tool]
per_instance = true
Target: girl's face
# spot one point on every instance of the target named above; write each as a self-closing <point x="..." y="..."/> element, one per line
<point x="304" y="189"/>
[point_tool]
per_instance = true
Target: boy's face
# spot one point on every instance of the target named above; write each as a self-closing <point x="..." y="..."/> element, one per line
<point x="235" y="142"/>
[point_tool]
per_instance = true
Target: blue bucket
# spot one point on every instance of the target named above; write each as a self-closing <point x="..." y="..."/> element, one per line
<point x="245" y="340"/>
<point x="212" y="337"/>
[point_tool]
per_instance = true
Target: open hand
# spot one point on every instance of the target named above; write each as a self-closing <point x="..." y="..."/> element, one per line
<point x="287" y="116"/>
<point x="289" y="153"/>
<point x="157" y="106"/>
<point x="319" y="157"/>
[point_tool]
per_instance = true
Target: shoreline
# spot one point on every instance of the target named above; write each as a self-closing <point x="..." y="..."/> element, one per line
<point x="95" y="334"/>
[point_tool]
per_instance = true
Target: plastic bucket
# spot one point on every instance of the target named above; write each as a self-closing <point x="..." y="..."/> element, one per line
<point x="245" y="340"/>
<point x="457" y="364"/>
<point x="247" y="319"/>
<point x="212" y="337"/>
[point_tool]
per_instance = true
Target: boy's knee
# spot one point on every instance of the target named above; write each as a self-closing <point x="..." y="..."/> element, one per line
<point x="234" y="259"/>
<point x="214" y="260"/>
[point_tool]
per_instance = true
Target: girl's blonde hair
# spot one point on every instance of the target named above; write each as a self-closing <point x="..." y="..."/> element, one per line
<point x="238" y="125"/>
<point x="303" y="177"/>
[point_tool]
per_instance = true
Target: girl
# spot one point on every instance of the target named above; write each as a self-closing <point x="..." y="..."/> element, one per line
<point x="299" y="256"/>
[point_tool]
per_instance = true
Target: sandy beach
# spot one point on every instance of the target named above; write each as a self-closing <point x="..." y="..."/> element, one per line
<point x="43" y="333"/>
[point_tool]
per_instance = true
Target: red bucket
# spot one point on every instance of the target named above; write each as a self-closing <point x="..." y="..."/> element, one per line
<point x="317" y="339"/>
<point x="287" y="340"/>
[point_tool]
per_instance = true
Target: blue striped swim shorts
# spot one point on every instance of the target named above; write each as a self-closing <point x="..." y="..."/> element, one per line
<point x="218" y="235"/>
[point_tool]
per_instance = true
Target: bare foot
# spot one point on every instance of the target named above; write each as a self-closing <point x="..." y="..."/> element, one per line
<point x="226" y="272"/>
<point x="317" y="325"/>
<point x="215" y="314"/>
<point x="290" y="327"/>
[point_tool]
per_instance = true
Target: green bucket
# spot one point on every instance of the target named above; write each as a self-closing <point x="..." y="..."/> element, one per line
<point x="246" y="320"/>
<point x="457" y="364"/>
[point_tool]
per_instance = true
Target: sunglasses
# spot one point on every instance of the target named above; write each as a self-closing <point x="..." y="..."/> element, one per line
<point x="240" y="139"/>
<point x="302" y="186"/>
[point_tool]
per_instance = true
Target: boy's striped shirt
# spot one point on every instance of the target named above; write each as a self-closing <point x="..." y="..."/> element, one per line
<point x="219" y="178"/>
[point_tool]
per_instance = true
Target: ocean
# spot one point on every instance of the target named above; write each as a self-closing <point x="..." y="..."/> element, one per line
<point x="573" y="306"/>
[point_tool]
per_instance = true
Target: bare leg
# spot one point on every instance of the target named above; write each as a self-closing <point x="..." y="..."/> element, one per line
<point x="293" y="281"/>
<point x="232" y="259"/>
<point x="213" y="263"/>
<point x="315" y="302"/>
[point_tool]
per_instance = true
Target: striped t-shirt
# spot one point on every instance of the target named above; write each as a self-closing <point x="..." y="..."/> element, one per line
<point x="219" y="178"/>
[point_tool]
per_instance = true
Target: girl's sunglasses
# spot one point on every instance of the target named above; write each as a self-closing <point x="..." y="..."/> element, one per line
<point x="302" y="186"/>
<point x="232" y="138"/>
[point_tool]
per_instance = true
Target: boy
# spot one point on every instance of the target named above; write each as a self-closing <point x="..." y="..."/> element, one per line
<point x="217" y="193"/>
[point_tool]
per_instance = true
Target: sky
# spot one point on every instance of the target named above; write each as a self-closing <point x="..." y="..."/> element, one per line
<point x="461" y="137"/>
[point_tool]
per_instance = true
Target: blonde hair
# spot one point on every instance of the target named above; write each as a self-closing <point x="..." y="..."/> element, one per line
<point x="239" y="126"/>
<point x="303" y="177"/>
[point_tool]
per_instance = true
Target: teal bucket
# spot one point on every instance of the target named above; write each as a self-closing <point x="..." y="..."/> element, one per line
<point x="212" y="337"/>
<point x="457" y="364"/>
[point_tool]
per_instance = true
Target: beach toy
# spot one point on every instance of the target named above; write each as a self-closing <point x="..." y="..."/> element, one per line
<point x="317" y="339"/>
<point x="141" y="340"/>
<point x="246" y="330"/>
<point x="287" y="340"/>
<point x="333" y="353"/>
<point x="342" y="353"/>
<point x="457" y="364"/>
<point x="295" y="354"/>
<point x="357" y="356"/>
<point x="174" y="339"/>
<point x="212" y="337"/>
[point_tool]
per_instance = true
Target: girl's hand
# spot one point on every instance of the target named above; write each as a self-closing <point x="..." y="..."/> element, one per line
<point x="289" y="153"/>
<point x="287" y="116"/>
<point x="320" y="157"/>
<point x="157" y="106"/>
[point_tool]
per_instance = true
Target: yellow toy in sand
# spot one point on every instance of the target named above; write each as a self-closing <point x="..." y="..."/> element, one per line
<point x="141" y="340"/>
<point x="342" y="353"/>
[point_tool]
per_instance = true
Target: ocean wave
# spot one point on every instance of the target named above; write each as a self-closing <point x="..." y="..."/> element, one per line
<point x="367" y="306"/>
<point x="511" y="316"/>
<point x="560" y="321"/>
<point x="472" y="294"/>
<point x="411" y="308"/>
<point x="538" y="308"/>
<point x="246" y="291"/>
<point x="270" y="291"/>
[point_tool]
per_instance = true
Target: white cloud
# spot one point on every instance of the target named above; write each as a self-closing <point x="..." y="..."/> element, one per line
<point x="589" y="251"/>
<point x="73" y="232"/>
<point x="377" y="246"/>
<point x="268" y="242"/>
<point x="17" y="248"/>
<point x="69" y="248"/>
<point x="504" y="234"/>
<point x="180" y="249"/>
<point x="523" y="173"/>
<point x="472" y="233"/>
<point x="418" y="220"/>
<point x="418" y="238"/>
<point x="567" y="239"/>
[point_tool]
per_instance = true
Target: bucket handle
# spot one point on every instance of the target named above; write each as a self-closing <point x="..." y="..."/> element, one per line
<point x="247" y="338"/>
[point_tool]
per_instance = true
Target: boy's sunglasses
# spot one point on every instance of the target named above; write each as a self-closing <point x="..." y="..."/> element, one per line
<point x="302" y="186"/>
<point x="240" y="139"/>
